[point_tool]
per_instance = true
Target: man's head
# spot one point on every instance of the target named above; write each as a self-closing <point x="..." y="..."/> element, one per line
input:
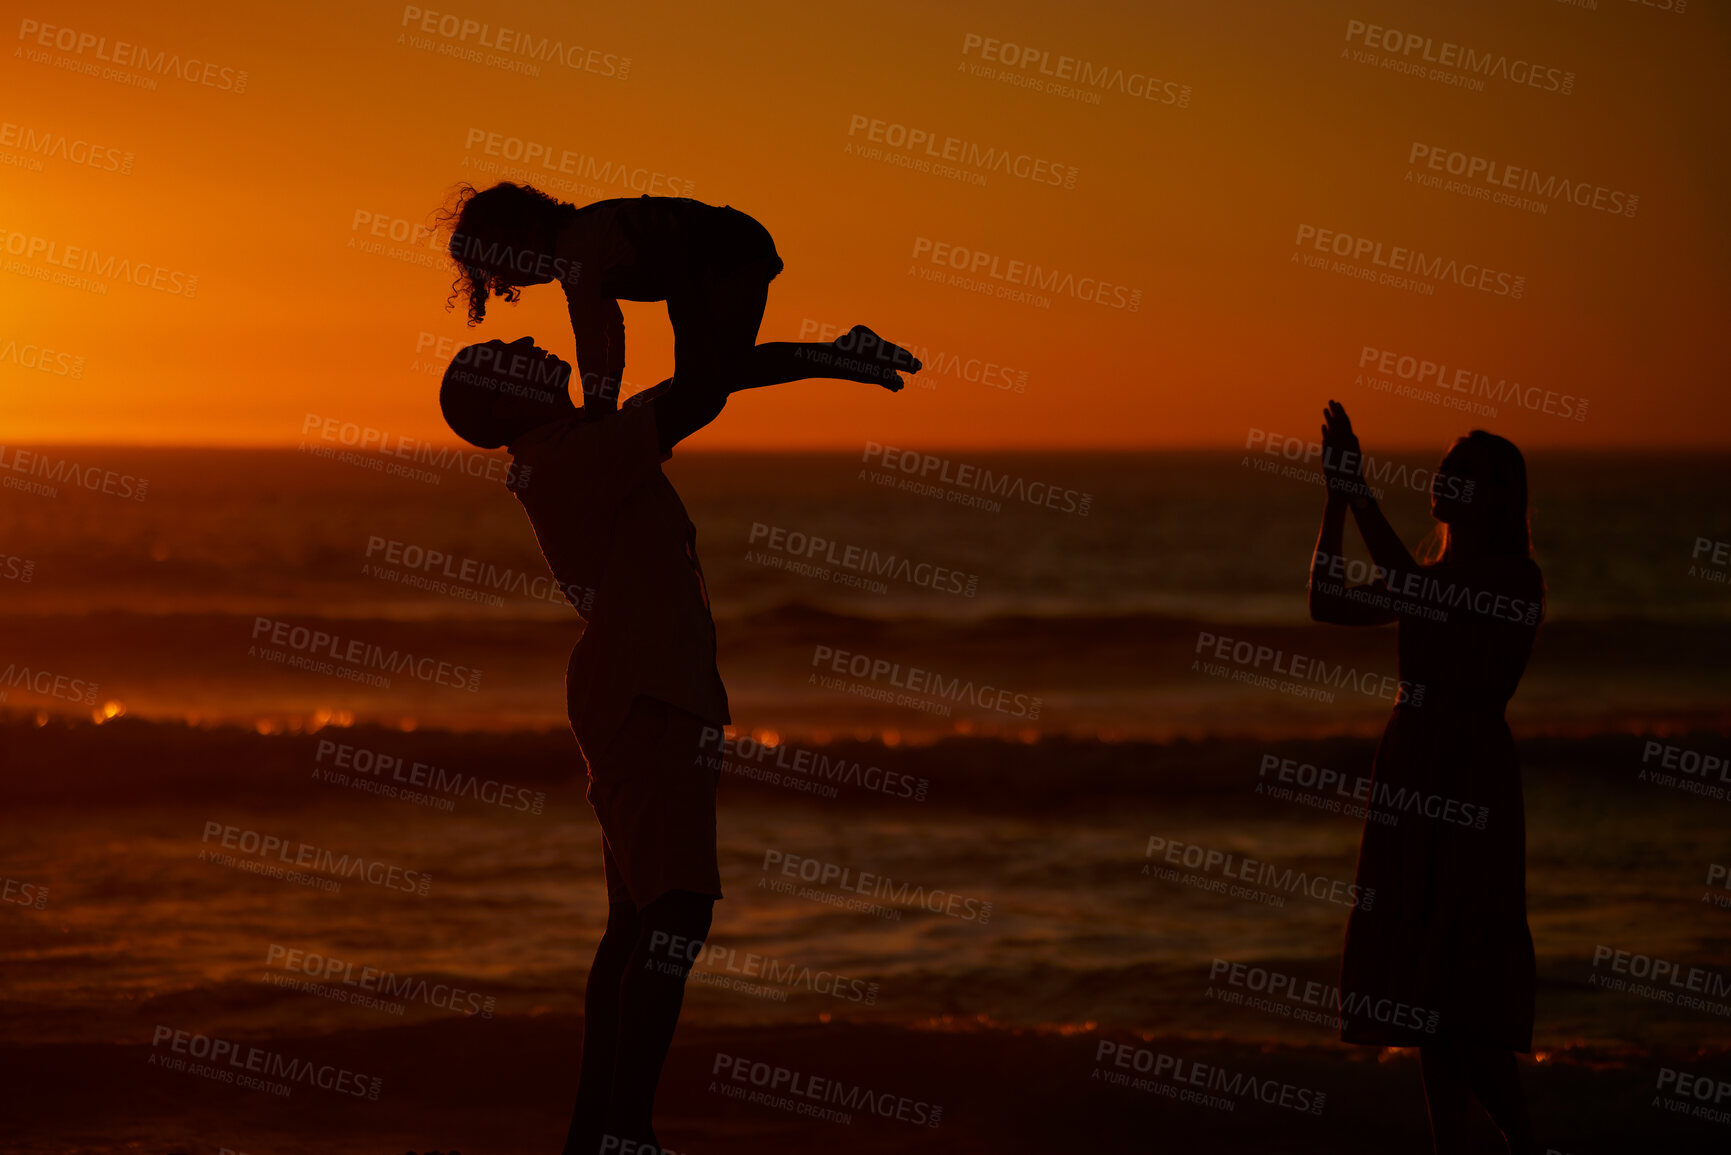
<point x="493" y="393"/>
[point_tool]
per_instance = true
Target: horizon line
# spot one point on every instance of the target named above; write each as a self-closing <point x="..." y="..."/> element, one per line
<point x="1631" y="448"/>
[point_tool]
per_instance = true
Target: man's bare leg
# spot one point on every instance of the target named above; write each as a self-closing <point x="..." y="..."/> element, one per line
<point x="670" y="935"/>
<point x="601" y="1029"/>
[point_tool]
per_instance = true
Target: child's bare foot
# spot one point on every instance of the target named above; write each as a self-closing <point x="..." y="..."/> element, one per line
<point x="880" y="362"/>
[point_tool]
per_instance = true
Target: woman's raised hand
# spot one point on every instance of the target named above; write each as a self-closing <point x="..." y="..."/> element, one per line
<point x="1342" y="463"/>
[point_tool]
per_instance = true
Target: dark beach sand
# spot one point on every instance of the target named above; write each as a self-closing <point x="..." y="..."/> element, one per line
<point x="503" y="1088"/>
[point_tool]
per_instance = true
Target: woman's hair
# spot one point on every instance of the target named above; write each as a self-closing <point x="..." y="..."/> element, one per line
<point x="1497" y="504"/>
<point x="493" y="228"/>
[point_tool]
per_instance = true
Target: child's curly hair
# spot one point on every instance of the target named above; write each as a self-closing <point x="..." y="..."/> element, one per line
<point x="487" y="226"/>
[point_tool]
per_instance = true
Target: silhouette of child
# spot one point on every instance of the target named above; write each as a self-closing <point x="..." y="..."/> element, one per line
<point x="711" y="265"/>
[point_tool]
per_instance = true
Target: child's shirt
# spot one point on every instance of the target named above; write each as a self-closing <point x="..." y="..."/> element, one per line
<point x="651" y="248"/>
<point x="619" y="542"/>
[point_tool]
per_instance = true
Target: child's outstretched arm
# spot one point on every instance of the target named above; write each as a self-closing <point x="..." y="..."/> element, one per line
<point x="599" y="328"/>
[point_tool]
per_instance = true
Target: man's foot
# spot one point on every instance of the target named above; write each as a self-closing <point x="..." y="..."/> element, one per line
<point x="881" y="362"/>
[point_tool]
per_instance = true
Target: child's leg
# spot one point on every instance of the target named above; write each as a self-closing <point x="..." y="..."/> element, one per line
<point x="715" y="342"/>
<point x="650" y="998"/>
<point x="601" y="1028"/>
<point x="860" y="355"/>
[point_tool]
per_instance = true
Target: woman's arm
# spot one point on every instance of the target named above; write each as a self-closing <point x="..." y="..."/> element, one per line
<point x="1386" y="548"/>
<point x="1331" y="599"/>
<point x="1343" y="467"/>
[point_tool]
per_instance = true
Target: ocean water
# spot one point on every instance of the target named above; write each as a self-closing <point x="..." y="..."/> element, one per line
<point x="1011" y="898"/>
<point x="988" y="911"/>
<point x="1084" y="581"/>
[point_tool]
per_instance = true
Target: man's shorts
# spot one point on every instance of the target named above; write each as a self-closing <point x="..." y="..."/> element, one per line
<point x="653" y="788"/>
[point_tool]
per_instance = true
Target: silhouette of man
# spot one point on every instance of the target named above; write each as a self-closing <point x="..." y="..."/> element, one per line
<point x="641" y="687"/>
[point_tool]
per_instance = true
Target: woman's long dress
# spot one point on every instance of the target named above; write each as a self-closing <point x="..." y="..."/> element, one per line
<point x="1437" y="947"/>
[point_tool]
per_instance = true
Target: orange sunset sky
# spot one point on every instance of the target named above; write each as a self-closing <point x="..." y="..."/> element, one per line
<point x="354" y="113"/>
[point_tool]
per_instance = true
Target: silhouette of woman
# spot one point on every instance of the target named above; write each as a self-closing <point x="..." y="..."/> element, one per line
<point x="1438" y="954"/>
